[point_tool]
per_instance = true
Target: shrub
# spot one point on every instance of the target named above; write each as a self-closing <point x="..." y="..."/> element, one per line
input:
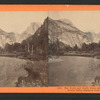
<point x="37" y="75"/>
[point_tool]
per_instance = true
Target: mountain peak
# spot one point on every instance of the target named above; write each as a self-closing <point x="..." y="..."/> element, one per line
<point x="2" y="32"/>
<point x="30" y="30"/>
<point x="67" y="21"/>
<point x="48" y="19"/>
<point x="35" y="24"/>
<point x="1" y="29"/>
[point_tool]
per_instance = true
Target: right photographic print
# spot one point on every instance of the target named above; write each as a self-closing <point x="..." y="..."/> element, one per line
<point x="74" y="48"/>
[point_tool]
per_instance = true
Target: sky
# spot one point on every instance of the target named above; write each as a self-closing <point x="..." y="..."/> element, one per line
<point x="83" y="20"/>
<point x="18" y="21"/>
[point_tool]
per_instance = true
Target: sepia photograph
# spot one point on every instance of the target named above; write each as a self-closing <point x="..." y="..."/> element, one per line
<point x="49" y="48"/>
<point x="74" y="48"/>
<point x="23" y="49"/>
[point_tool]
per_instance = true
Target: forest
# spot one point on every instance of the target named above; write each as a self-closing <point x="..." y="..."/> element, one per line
<point x="62" y="49"/>
<point x="24" y="50"/>
<point x="27" y="50"/>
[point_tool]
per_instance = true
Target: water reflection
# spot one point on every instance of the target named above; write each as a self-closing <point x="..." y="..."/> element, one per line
<point x="73" y="71"/>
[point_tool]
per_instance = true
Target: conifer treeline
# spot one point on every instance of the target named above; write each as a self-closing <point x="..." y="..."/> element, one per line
<point x="55" y="49"/>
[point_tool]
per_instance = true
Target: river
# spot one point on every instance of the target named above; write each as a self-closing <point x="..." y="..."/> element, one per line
<point x="10" y="69"/>
<point x="73" y="71"/>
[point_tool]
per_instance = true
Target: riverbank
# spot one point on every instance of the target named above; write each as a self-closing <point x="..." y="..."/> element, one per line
<point x="37" y="75"/>
<point x="82" y="54"/>
<point x="76" y="54"/>
<point x="79" y="54"/>
<point x="31" y="57"/>
<point x="7" y="55"/>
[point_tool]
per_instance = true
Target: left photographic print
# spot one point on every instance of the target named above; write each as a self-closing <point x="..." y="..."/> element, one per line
<point x="23" y="49"/>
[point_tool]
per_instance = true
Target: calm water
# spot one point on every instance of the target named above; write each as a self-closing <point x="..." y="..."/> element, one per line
<point x="10" y="70"/>
<point x="73" y="71"/>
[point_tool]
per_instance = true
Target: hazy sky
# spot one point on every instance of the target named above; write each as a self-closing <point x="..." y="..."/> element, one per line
<point x="18" y="21"/>
<point x="84" y="20"/>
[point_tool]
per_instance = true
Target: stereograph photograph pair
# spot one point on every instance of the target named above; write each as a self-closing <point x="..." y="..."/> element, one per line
<point x="49" y="48"/>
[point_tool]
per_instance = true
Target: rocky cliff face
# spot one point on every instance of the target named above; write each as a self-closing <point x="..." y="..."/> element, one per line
<point x="63" y="31"/>
<point x="67" y="33"/>
<point x="11" y="37"/>
<point x="39" y="40"/>
<point x="96" y="37"/>
<point x="6" y="38"/>
<point x="51" y="31"/>
<point x="29" y="31"/>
